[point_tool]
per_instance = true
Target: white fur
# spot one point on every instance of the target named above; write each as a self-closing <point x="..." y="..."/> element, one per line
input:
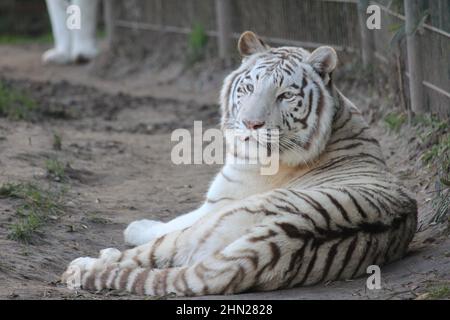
<point x="142" y="231"/>
<point x="72" y="45"/>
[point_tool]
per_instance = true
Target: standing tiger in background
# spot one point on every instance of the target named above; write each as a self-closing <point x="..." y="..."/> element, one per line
<point x="331" y="210"/>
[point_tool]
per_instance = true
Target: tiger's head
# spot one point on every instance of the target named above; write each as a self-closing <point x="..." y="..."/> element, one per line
<point x="285" y="90"/>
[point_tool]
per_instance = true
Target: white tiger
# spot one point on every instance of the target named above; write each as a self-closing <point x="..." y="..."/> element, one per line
<point x="72" y="45"/>
<point x="330" y="211"/>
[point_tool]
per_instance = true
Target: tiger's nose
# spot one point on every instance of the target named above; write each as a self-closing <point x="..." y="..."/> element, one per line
<point x="253" y="125"/>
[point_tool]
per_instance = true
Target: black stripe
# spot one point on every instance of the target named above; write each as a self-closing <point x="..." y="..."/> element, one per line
<point x="347" y="147"/>
<point x="330" y="258"/>
<point x="338" y="206"/>
<point x="355" y="203"/>
<point x="348" y="255"/>
<point x="361" y="259"/>
<point x="311" y="263"/>
<point x="316" y="205"/>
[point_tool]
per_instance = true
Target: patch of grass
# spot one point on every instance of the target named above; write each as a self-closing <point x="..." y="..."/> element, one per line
<point x="56" y="170"/>
<point x="439" y="293"/>
<point x="93" y="218"/>
<point x="57" y="142"/>
<point x="395" y="121"/>
<point x="442" y="207"/>
<point x="101" y="33"/>
<point x="17" y="104"/>
<point x="36" y="207"/>
<point x="21" y="39"/>
<point x="196" y="44"/>
<point x="434" y="135"/>
<point x="24" y="230"/>
<point x="431" y="124"/>
<point x="438" y="151"/>
<point x="14" y="104"/>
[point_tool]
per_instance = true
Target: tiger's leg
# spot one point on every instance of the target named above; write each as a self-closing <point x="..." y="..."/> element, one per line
<point x="142" y="231"/>
<point x="158" y="253"/>
<point x="60" y="54"/>
<point x="183" y="247"/>
<point x="225" y="190"/>
<point x="257" y="260"/>
<point x="179" y="247"/>
<point x="84" y="46"/>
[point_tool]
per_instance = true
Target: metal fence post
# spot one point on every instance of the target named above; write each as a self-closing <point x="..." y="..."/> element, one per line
<point x="416" y="89"/>
<point x="223" y="29"/>
<point x="367" y="37"/>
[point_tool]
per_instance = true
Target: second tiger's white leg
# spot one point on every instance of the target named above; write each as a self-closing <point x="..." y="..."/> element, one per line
<point x="84" y="45"/>
<point x="60" y="53"/>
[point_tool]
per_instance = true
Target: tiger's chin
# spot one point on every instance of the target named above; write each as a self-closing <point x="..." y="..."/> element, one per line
<point x="245" y="150"/>
<point x="250" y="152"/>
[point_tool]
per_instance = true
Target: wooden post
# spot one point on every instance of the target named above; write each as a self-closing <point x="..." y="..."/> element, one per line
<point x="159" y="12"/>
<point x="412" y="15"/>
<point x="367" y="37"/>
<point x="223" y="30"/>
<point x="109" y="16"/>
<point x="439" y="13"/>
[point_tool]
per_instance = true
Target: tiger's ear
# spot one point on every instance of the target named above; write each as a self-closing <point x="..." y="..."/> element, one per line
<point x="323" y="60"/>
<point x="249" y="43"/>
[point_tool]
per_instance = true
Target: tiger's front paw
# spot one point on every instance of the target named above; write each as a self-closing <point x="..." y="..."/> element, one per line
<point x="72" y="277"/>
<point x="142" y="231"/>
<point x="74" y="273"/>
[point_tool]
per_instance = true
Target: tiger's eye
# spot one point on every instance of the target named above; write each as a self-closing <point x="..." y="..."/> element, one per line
<point x="285" y="96"/>
<point x="250" y="88"/>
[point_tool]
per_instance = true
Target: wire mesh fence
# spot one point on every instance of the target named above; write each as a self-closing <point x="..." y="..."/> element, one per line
<point x="311" y="23"/>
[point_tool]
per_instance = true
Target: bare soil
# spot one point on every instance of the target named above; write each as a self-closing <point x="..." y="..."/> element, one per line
<point x="116" y="138"/>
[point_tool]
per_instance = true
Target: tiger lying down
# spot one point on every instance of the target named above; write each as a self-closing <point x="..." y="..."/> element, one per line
<point x="330" y="211"/>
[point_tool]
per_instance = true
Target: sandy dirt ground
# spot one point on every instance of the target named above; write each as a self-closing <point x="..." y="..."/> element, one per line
<point x="116" y="139"/>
